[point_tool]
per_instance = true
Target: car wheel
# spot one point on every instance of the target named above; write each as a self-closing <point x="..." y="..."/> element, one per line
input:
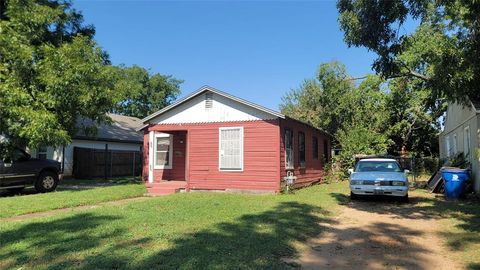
<point x="353" y="196"/>
<point x="47" y="181"/>
<point x="405" y="199"/>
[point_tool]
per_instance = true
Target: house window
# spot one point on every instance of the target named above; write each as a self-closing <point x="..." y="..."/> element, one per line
<point x="325" y="151"/>
<point x="315" y="147"/>
<point x="231" y="149"/>
<point x="301" y="149"/>
<point x="447" y="146"/>
<point x="42" y="152"/>
<point x="454" y="147"/>
<point x="163" y="151"/>
<point x="288" y="149"/>
<point x="466" y="141"/>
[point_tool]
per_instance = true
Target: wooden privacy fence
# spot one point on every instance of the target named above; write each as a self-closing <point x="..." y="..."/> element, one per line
<point x="92" y="163"/>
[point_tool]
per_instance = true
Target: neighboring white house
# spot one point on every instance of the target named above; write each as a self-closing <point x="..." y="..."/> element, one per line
<point x="122" y="134"/>
<point x="461" y="134"/>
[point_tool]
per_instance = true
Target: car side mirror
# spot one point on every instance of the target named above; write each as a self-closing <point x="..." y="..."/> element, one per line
<point x="350" y="171"/>
<point x="407" y="171"/>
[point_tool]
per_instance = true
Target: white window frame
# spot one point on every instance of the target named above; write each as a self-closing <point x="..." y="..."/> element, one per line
<point x="293" y="149"/>
<point x="467" y="142"/>
<point x="242" y="136"/>
<point x="170" y="154"/>
<point x="447" y="146"/>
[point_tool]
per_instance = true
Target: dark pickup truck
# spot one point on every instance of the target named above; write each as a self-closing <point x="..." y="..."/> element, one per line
<point x="19" y="170"/>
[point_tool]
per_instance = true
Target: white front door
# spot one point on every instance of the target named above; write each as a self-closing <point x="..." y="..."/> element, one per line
<point x="151" y="137"/>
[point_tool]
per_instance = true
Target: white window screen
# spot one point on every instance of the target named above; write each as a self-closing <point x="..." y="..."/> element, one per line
<point x="163" y="151"/>
<point x="231" y="149"/>
<point x="288" y="149"/>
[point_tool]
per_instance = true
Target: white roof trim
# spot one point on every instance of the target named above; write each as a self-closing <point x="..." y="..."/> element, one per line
<point x="218" y="92"/>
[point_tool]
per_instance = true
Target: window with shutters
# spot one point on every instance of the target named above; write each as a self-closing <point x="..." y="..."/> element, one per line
<point x="163" y="151"/>
<point x="289" y="149"/>
<point x="301" y="149"/>
<point x="230" y="149"/>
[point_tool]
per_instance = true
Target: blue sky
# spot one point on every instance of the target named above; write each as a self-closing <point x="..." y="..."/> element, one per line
<point x="256" y="50"/>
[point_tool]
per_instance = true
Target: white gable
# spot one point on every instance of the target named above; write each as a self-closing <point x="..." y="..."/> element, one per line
<point x="222" y="109"/>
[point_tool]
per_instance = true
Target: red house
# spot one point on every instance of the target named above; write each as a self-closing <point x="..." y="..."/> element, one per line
<point x="211" y="140"/>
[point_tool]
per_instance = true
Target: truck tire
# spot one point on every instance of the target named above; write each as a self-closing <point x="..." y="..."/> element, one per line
<point x="46" y="182"/>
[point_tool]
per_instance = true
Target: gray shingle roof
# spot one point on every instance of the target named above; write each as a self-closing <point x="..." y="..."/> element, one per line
<point x="122" y="129"/>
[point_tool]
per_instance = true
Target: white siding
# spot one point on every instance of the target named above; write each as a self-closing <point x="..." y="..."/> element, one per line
<point x="222" y="110"/>
<point x="459" y="118"/>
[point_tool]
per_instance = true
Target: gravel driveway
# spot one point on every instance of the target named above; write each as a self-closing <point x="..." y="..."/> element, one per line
<point x="379" y="234"/>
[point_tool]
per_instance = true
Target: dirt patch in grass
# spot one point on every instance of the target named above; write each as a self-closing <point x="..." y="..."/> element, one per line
<point x="381" y="234"/>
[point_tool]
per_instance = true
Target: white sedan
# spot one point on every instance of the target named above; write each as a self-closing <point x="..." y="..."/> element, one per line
<point x="378" y="176"/>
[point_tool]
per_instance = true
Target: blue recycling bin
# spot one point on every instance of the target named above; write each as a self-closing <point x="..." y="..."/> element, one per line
<point x="455" y="181"/>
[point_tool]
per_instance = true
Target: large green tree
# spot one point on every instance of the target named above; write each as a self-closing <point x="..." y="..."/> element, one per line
<point x="412" y="125"/>
<point x="442" y="54"/>
<point x="51" y="72"/>
<point x="142" y="93"/>
<point x="356" y="115"/>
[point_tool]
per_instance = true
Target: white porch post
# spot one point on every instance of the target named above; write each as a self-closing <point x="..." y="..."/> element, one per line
<point x="151" y="136"/>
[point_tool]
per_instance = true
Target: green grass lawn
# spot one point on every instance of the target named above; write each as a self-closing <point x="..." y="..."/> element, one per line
<point x="181" y="231"/>
<point x="63" y="198"/>
<point x="204" y="230"/>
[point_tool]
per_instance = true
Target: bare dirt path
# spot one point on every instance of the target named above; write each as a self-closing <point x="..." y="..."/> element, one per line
<point x="71" y="209"/>
<point x="376" y="234"/>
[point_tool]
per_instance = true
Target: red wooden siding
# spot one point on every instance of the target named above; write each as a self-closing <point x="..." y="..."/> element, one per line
<point x="261" y="156"/>
<point x="313" y="171"/>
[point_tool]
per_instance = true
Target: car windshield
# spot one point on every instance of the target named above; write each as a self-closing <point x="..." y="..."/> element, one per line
<point x="377" y="166"/>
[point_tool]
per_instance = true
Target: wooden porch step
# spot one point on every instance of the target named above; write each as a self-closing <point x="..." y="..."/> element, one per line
<point x="165" y="187"/>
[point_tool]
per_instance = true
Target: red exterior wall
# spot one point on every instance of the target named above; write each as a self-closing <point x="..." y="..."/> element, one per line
<point x="313" y="170"/>
<point x="261" y="156"/>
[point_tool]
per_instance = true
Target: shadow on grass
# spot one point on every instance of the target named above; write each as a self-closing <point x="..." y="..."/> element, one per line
<point x="474" y="266"/>
<point x="51" y="242"/>
<point x="465" y="213"/>
<point x="87" y="241"/>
